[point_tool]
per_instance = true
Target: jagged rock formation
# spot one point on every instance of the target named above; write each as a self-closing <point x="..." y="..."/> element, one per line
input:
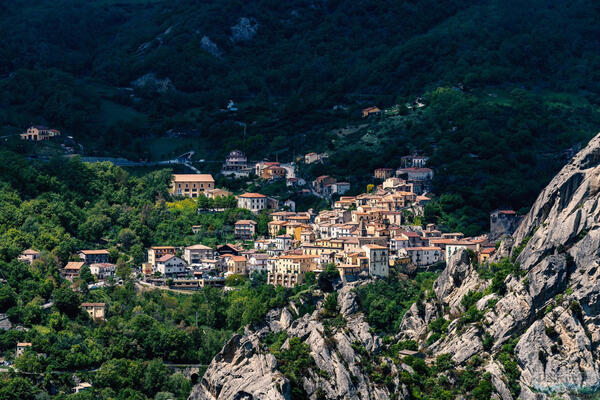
<point x="210" y="47"/>
<point x="152" y="83"/>
<point x="552" y="305"/>
<point x="544" y="316"/>
<point x="244" y="30"/>
<point x="244" y="369"/>
<point x="156" y="42"/>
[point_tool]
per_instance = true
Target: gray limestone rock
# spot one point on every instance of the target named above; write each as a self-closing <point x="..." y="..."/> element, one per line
<point x="244" y="30"/>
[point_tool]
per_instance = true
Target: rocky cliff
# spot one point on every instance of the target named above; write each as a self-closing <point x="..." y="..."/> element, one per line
<point x="246" y="369"/>
<point x="528" y="323"/>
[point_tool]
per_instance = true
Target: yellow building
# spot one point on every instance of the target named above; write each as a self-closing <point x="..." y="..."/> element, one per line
<point x="289" y="270"/>
<point x="236" y="264"/>
<point x="95" y="310"/>
<point x="294" y="230"/>
<point x="275" y="227"/>
<point x="191" y="185"/>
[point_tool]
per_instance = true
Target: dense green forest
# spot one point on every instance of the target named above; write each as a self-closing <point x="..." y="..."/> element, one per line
<point x="59" y="209"/>
<point x="508" y="88"/>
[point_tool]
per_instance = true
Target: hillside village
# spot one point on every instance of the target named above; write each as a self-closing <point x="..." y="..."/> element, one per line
<point x="361" y="236"/>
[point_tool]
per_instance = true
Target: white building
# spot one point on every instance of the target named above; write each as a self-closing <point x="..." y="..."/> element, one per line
<point x="102" y="270"/>
<point x="283" y="242"/>
<point x="398" y="243"/>
<point x="170" y="265"/>
<point x="453" y="248"/>
<point x="258" y="262"/>
<point x="424" y="256"/>
<point x="379" y="259"/>
<point x="194" y="255"/>
<point x="254" y="202"/>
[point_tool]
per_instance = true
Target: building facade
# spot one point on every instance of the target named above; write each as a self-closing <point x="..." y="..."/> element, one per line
<point x="289" y="270"/>
<point x="170" y="265"/>
<point x="244" y="229"/>
<point x="191" y="185"/>
<point x="96" y="311"/>
<point x="94" y="256"/>
<point x="254" y="202"/>
<point x="379" y="260"/>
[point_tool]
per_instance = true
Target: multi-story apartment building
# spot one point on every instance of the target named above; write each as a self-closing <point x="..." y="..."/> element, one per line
<point x="254" y="202"/>
<point x="424" y="255"/>
<point x="379" y="259"/>
<point x="289" y="270"/>
<point x="244" y="229"/>
<point x="170" y="265"/>
<point x="94" y="256"/>
<point x="194" y="255"/>
<point x="236" y="264"/>
<point x="191" y="185"/>
<point x="156" y="252"/>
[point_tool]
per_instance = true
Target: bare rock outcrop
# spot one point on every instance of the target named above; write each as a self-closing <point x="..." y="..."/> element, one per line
<point x="457" y="279"/>
<point x="242" y="371"/>
<point x="245" y="369"/>
<point x="244" y="30"/>
<point x="556" y="355"/>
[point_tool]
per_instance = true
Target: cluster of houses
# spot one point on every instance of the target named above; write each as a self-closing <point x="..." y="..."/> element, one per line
<point x="237" y="165"/>
<point x="362" y="235"/>
<point x="328" y="186"/>
<point x="413" y="170"/>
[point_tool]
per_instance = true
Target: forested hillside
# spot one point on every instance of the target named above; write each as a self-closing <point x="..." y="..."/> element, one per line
<point x="525" y="81"/>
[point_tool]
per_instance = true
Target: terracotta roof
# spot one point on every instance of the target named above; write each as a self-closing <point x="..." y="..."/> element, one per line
<point x="166" y="257"/>
<point x="411" y="234"/>
<point x="93" y="304"/>
<point x="74" y="265"/>
<point x="103" y="265"/>
<point x="94" y="252"/>
<point x="423" y="248"/>
<point x="375" y="247"/>
<point x="232" y="246"/>
<point x="30" y="252"/>
<point x="193" y="178"/>
<point x="245" y="222"/>
<point x="489" y="250"/>
<point x="507" y="212"/>
<point x="23" y="344"/>
<point x="236" y="258"/>
<point x="252" y="195"/>
<point x="198" y="247"/>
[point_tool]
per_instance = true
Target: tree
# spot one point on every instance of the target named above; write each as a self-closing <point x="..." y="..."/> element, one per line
<point x="85" y="274"/>
<point x="7" y="298"/>
<point x="18" y="388"/>
<point x="123" y="271"/>
<point x="66" y="301"/>
<point x="155" y="377"/>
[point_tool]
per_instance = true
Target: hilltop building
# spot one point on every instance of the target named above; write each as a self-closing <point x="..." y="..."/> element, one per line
<point x="38" y="133"/>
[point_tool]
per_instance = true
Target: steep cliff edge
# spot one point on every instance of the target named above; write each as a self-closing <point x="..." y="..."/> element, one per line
<point x="527" y="325"/>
